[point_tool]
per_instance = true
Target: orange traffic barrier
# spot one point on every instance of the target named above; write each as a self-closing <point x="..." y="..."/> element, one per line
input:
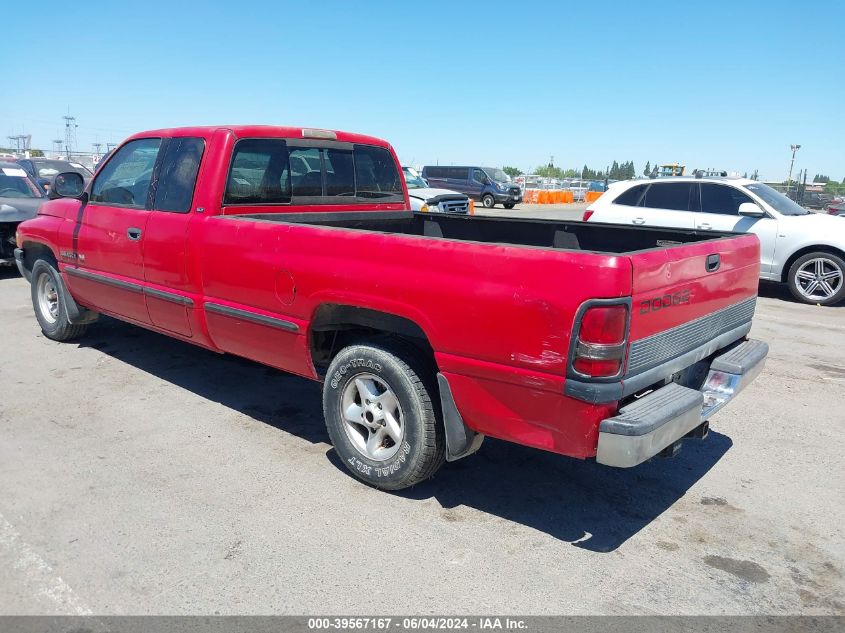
<point x="592" y="196"/>
<point x="544" y="197"/>
<point x="570" y="197"/>
<point x="471" y="206"/>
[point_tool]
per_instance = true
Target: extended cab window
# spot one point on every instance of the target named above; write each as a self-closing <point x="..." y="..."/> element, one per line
<point x="125" y="179"/>
<point x="721" y="199"/>
<point x="376" y="175"/>
<point x="668" y="195"/>
<point x="178" y="174"/>
<point x="259" y="173"/>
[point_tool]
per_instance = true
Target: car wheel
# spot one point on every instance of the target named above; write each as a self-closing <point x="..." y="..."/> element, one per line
<point x="379" y="405"/>
<point x="488" y="201"/>
<point x="49" y="304"/>
<point x="509" y="205"/>
<point x="818" y="278"/>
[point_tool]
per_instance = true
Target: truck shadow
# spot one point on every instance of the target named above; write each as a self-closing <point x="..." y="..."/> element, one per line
<point x="586" y="504"/>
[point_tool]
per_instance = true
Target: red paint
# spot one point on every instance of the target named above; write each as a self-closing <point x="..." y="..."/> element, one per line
<point x="499" y="317"/>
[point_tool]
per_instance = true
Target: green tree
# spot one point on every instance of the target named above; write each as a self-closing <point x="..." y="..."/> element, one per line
<point x="821" y="178"/>
<point x="549" y="171"/>
<point x="36" y="153"/>
<point x="512" y="171"/>
<point x="647" y="168"/>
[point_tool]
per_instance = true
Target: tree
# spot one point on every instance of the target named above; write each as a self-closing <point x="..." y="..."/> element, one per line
<point x="549" y="171"/>
<point x="36" y="153"/>
<point x="821" y="178"/>
<point x="512" y="171"/>
<point x="647" y="168"/>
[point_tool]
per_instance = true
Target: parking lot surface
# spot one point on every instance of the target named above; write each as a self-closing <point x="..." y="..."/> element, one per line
<point x="142" y="475"/>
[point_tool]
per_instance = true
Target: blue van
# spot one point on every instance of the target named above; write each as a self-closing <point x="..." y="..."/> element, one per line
<point x="488" y="185"/>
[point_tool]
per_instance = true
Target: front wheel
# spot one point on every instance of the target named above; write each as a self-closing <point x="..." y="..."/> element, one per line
<point x="379" y="406"/>
<point x="818" y="278"/>
<point x="509" y="205"/>
<point x="488" y="201"/>
<point x="49" y="304"/>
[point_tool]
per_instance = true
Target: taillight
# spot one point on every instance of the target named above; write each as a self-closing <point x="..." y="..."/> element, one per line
<point x="587" y="215"/>
<point x="600" y="346"/>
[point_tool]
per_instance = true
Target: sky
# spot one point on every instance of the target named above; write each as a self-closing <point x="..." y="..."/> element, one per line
<point x="726" y="85"/>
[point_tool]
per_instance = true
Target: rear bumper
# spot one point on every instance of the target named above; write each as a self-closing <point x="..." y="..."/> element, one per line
<point x="644" y="428"/>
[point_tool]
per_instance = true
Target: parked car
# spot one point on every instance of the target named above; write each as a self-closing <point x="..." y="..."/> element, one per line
<point x="488" y="185"/>
<point x="797" y="247"/>
<point x="20" y="199"/>
<point x="42" y="170"/>
<point x="579" y="189"/>
<point x="428" y="331"/>
<point x="425" y="198"/>
<point x="836" y="208"/>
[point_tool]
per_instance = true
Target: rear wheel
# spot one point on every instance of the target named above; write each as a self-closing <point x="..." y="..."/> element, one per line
<point x="49" y="304"/>
<point x="818" y="277"/>
<point x="488" y="201"/>
<point x="379" y="406"/>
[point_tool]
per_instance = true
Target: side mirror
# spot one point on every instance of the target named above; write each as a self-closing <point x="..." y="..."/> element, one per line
<point x="67" y="185"/>
<point x="751" y="210"/>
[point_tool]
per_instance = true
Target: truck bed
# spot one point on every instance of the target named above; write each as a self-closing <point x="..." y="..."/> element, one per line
<point x="554" y="234"/>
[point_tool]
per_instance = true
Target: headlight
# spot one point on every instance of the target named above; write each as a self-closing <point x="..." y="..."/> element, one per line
<point x="501" y="187"/>
<point x="424" y="208"/>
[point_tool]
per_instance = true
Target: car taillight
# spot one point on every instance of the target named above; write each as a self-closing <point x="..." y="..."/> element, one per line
<point x="600" y="346"/>
<point x="587" y="215"/>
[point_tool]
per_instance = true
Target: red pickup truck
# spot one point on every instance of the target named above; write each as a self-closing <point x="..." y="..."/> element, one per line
<point x="295" y="248"/>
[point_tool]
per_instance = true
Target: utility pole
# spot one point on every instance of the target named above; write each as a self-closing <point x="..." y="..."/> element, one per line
<point x="70" y="134"/>
<point x="794" y="149"/>
<point x="57" y="146"/>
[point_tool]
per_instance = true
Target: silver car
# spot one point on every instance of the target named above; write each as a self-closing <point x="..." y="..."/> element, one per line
<point x="428" y="199"/>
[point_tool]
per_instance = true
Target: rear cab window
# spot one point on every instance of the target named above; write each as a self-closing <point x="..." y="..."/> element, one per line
<point x="278" y="171"/>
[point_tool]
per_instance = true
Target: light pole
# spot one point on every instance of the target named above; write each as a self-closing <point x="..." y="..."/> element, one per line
<point x="794" y="149"/>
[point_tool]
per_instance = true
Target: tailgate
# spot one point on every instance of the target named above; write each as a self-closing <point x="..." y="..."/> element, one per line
<point x="688" y="301"/>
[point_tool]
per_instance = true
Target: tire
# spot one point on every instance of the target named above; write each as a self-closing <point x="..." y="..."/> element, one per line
<point x="509" y="205"/>
<point x="399" y="440"/>
<point x="48" y="301"/>
<point x="818" y="278"/>
<point x="488" y="201"/>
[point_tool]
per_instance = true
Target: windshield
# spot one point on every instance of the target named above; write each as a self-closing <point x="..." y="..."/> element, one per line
<point x="15" y="184"/>
<point x="413" y="179"/>
<point x="776" y="200"/>
<point x="49" y="168"/>
<point x="497" y="174"/>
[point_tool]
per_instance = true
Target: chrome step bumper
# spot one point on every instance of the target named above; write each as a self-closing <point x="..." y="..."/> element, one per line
<point x="644" y="428"/>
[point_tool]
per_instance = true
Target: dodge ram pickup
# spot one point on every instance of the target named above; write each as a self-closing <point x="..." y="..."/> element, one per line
<point x="296" y="248"/>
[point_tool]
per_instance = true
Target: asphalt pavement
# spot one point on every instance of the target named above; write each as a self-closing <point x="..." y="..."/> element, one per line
<point x="141" y="475"/>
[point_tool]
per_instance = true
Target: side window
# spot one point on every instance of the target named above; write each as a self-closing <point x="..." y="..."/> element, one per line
<point x="340" y="172"/>
<point x="480" y="177"/>
<point x="376" y="175"/>
<point x="306" y="177"/>
<point x="125" y="180"/>
<point x="435" y="172"/>
<point x="632" y="197"/>
<point x="457" y="173"/>
<point x="668" y="195"/>
<point x="178" y="174"/>
<point x="259" y="173"/>
<point x="721" y="199"/>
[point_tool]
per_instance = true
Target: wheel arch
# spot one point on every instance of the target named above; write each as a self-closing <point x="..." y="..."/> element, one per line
<point x="334" y="326"/>
<point x="815" y="248"/>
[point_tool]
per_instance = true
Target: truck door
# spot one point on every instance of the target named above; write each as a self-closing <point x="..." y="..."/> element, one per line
<point x="720" y="212"/>
<point x="168" y="290"/>
<point x="108" y="239"/>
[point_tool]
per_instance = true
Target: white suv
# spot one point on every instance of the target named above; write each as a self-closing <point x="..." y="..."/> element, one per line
<point x="803" y="249"/>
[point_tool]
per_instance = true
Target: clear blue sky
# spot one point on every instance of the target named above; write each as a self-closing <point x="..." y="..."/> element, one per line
<point x="710" y="84"/>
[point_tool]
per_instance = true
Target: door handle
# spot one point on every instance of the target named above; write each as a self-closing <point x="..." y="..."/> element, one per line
<point x="705" y="226"/>
<point x="713" y="262"/>
<point x="133" y="234"/>
<point x="638" y="221"/>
